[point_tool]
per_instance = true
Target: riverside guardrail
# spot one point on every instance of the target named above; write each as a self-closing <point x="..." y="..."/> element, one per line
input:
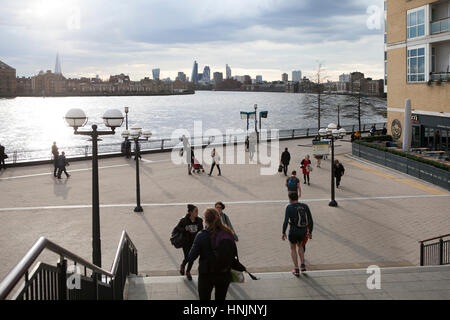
<point x="416" y="169"/>
<point x="435" y="251"/>
<point x="31" y="157"/>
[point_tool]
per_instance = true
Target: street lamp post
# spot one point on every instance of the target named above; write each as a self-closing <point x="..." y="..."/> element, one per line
<point x="112" y="118"/>
<point x="126" y="117"/>
<point x="135" y="134"/>
<point x="256" y="122"/>
<point x="333" y="134"/>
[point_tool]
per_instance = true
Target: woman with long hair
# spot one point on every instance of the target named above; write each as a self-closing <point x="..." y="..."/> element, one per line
<point x="190" y="225"/>
<point x="212" y="273"/>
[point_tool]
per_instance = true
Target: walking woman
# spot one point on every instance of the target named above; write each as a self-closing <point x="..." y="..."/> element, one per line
<point x="212" y="275"/>
<point x="191" y="224"/>
<point x="306" y="168"/>
<point x="224" y="218"/>
<point x="215" y="161"/>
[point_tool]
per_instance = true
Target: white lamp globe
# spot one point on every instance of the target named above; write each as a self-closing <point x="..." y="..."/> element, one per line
<point x="125" y="133"/>
<point x="335" y="133"/>
<point x="113" y="118"/>
<point x="323" y="132"/>
<point x="342" y="132"/>
<point x="147" y="134"/>
<point x="135" y="134"/>
<point x="136" y="127"/>
<point x="76" y="118"/>
<point x="331" y="127"/>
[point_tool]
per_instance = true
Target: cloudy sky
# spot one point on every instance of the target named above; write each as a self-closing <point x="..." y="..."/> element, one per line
<point x="255" y="37"/>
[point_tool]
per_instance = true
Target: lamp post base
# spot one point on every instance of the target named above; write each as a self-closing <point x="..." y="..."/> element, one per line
<point x="138" y="209"/>
<point x="333" y="203"/>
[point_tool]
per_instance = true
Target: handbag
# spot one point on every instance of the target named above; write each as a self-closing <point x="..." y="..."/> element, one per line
<point x="237" y="276"/>
<point x="280" y="168"/>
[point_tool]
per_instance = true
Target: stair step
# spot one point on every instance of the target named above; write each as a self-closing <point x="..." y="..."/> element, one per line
<point x="396" y="283"/>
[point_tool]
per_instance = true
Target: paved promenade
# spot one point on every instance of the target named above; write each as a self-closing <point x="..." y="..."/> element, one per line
<point x="380" y="219"/>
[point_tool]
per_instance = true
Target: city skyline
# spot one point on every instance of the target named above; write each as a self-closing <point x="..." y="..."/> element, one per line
<point x="255" y="38"/>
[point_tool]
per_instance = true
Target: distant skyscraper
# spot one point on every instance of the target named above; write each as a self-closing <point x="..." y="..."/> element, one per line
<point x="259" y="79"/>
<point x="58" y="65"/>
<point x="206" y="74"/>
<point x="218" y="77"/>
<point x="344" y="77"/>
<point x="284" y="77"/>
<point x="296" y="75"/>
<point x="194" y="77"/>
<point x="181" y="76"/>
<point x="156" y="73"/>
<point x="228" y="71"/>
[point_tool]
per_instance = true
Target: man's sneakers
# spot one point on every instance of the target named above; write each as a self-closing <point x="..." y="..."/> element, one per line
<point x="182" y="270"/>
<point x="303" y="268"/>
<point x="296" y="272"/>
<point x="188" y="276"/>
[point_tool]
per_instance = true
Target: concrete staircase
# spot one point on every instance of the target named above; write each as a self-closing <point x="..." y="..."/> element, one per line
<point x="395" y="283"/>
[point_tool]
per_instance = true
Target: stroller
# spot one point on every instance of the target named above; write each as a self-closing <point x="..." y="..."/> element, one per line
<point x="197" y="166"/>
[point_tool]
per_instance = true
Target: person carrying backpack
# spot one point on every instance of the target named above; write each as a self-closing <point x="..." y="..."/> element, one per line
<point x="218" y="252"/>
<point x="293" y="184"/>
<point x="189" y="226"/>
<point x="62" y="163"/>
<point x="301" y="223"/>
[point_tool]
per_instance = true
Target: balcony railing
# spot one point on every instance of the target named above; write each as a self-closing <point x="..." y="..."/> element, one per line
<point x="440" y="26"/>
<point x="440" y="76"/>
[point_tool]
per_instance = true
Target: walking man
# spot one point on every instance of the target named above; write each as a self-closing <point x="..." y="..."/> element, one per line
<point x="128" y="148"/>
<point x="285" y="159"/>
<point x="293" y="184"/>
<point x="338" y="172"/>
<point x="215" y="162"/>
<point x="55" y="154"/>
<point x="62" y="163"/>
<point x="301" y="223"/>
<point x="3" y="156"/>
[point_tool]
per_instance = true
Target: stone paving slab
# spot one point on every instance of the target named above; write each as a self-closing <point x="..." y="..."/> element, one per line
<point x="380" y="217"/>
<point x="416" y="283"/>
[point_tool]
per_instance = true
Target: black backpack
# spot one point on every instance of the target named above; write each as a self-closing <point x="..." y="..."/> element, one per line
<point x="222" y="256"/>
<point x="302" y="217"/>
<point x="177" y="238"/>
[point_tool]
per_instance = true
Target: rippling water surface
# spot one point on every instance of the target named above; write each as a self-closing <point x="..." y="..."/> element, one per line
<point x="30" y="123"/>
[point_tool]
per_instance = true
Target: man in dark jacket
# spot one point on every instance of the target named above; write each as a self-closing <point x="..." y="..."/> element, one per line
<point x="62" y="163"/>
<point x="338" y="172"/>
<point x="285" y="159"/>
<point x="55" y="154"/>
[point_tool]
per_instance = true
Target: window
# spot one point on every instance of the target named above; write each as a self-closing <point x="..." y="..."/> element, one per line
<point x="416" y="23"/>
<point x="416" y="65"/>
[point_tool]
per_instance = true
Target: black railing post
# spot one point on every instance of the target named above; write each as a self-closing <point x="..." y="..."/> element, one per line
<point x="307" y="132"/>
<point x="441" y="251"/>
<point x="422" y="249"/>
<point x="162" y="144"/>
<point x="62" y="279"/>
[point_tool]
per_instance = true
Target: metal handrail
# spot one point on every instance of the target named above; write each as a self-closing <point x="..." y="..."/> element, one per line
<point x="445" y="235"/>
<point x="14" y="276"/>
<point x="159" y="141"/>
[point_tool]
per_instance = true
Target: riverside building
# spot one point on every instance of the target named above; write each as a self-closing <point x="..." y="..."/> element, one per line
<point x="418" y="68"/>
<point x="7" y="80"/>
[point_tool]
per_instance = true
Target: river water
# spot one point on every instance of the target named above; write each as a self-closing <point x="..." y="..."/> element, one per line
<point x="31" y="123"/>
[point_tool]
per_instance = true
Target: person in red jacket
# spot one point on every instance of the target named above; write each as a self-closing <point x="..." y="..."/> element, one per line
<point x="306" y="168"/>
